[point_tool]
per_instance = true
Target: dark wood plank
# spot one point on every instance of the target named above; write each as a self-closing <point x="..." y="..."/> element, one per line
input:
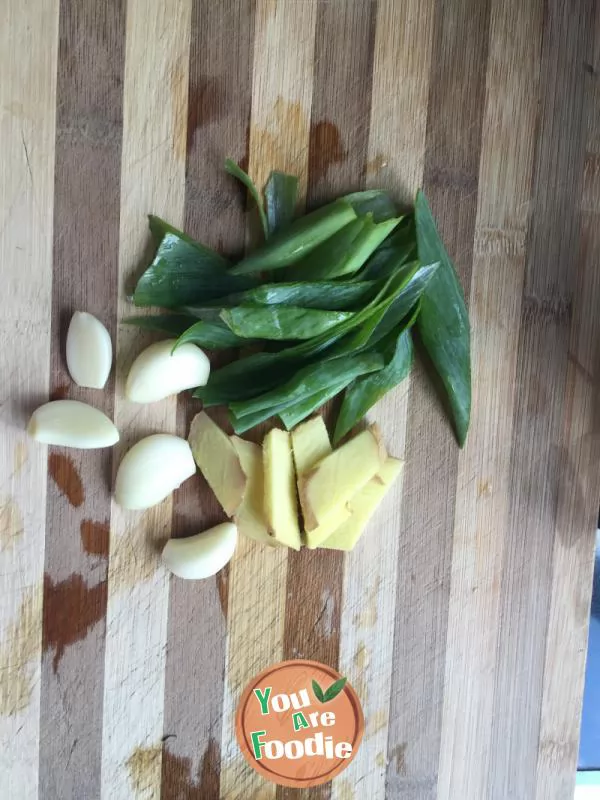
<point x="537" y="463"/>
<point x="337" y="164"/>
<point x="86" y="241"/>
<point x="218" y="114"/>
<point x="455" y="109"/>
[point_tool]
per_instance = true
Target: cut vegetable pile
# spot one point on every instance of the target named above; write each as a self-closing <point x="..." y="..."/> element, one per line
<point x="329" y="302"/>
<point x="259" y="487"/>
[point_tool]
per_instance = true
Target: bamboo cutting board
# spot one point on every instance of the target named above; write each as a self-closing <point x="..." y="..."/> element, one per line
<point x="461" y="619"/>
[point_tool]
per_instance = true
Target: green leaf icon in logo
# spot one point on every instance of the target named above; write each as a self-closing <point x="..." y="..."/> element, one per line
<point x="318" y="692"/>
<point x="331" y="693"/>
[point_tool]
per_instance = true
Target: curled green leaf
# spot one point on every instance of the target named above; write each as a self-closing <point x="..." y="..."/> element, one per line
<point x="301" y="237"/>
<point x="365" y="391"/>
<point x="443" y="323"/>
<point x="211" y="335"/>
<point x="345" y="252"/>
<point x="183" y="273"/>
<point x="281" y="322"/>
<point x="234" y="169"/>
<point x="172" y="324"/>
<point x="281" y="198"/>
<point x="311" y="379"/>
<point x="327" y="295"/>
<point x="376" y="202"/>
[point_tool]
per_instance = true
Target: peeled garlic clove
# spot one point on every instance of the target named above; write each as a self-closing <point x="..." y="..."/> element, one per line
<point x="72" y="424"/>
<point x="89" y="351"/>
<point x="202" y="555"/>
<point x="152" y="469"/>
<point x="157" y="372"/>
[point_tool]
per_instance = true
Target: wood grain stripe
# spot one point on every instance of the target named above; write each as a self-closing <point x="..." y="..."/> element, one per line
<point x="539" y="451"/>
<point x="279" y="137"/>
<point x="339" y="127"/>
<point x="86" y="240"/>
<point x="455" y="110"/>
<point x="28" y="48"/>
<point x="220" y="85"/>
<point x="395" y="162"/>
<point x="152" y="179"/>
<point x="574" y="540"/>
<point x="481" y="521"/>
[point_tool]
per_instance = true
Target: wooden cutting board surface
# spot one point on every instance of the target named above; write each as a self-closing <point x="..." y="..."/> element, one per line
<point x="461" y="619"/>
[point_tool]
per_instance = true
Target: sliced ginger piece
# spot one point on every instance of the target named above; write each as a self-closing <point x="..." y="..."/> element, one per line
<point x="311" y="444"/>
<point x="281" y="504"/>
<point x="339" y="476"/>
<point x="363" y="505"/>
<point x="218" y="461"/>
<point x="250" y="517"/>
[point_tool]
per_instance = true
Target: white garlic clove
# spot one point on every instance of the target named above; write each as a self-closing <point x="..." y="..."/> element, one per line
<point x="157" y="372"/>
<point x="89" y="351"/>
<point x="152" y="469"/>
<point x="72" y="424"/>
<point x="202" y="555"/>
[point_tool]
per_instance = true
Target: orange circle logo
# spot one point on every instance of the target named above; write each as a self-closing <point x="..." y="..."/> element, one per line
<point x="299" y="723"/>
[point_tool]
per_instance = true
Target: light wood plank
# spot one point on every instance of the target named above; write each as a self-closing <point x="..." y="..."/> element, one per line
<point x="279" y="133"/>
<point x="152" y="179"/>
<point x="481" y="523"/>
<point x="28" y="54"/>
<point x="402" y="53"/>
<point x="542" y="397"/>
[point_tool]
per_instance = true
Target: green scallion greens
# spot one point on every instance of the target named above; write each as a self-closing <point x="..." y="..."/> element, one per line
<point x="327" y="301"/>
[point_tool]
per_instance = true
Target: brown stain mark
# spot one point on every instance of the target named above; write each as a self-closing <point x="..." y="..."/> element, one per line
<point x="19" y="457"/>
<point x="380" y="759"/>
<point x="19" y="647"/>
<point x="71" y="608"/>
<point x="398" y="756"/>
<point x="95" y="537"/>
<point x="11" y="523"/>
<point x="178" y="780"/>
<point x="265" y="12"/>
<point x="367" y="616"/>
<point x="179" y="101"/>
<point x="210" y="777"/>
<point x="376" y="164"/>
<point x="60" y="393"/>
<point x="377" y="722"/>
<point x="222" y="579"/>
<point x="362" y="657"/>
<point x="271" y="142"/>
<point x="135" y="555"/>
<point x="261" y="794"/>
<point x="326" y="149"/>
<point x="66" y="477"/>
<point x="143" y="766"/>
<point x="484" y="489"/>
<point x="206" y="103"/>
<point x="344" y="789"/>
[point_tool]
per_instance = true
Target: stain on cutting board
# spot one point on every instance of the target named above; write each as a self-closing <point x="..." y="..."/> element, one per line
<point x="71" y="608"/>
<point x="65" y="476"/>
<point x="11" y="523"/>
<point x="19" y="647"/>
<point x="95" y="537"/>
